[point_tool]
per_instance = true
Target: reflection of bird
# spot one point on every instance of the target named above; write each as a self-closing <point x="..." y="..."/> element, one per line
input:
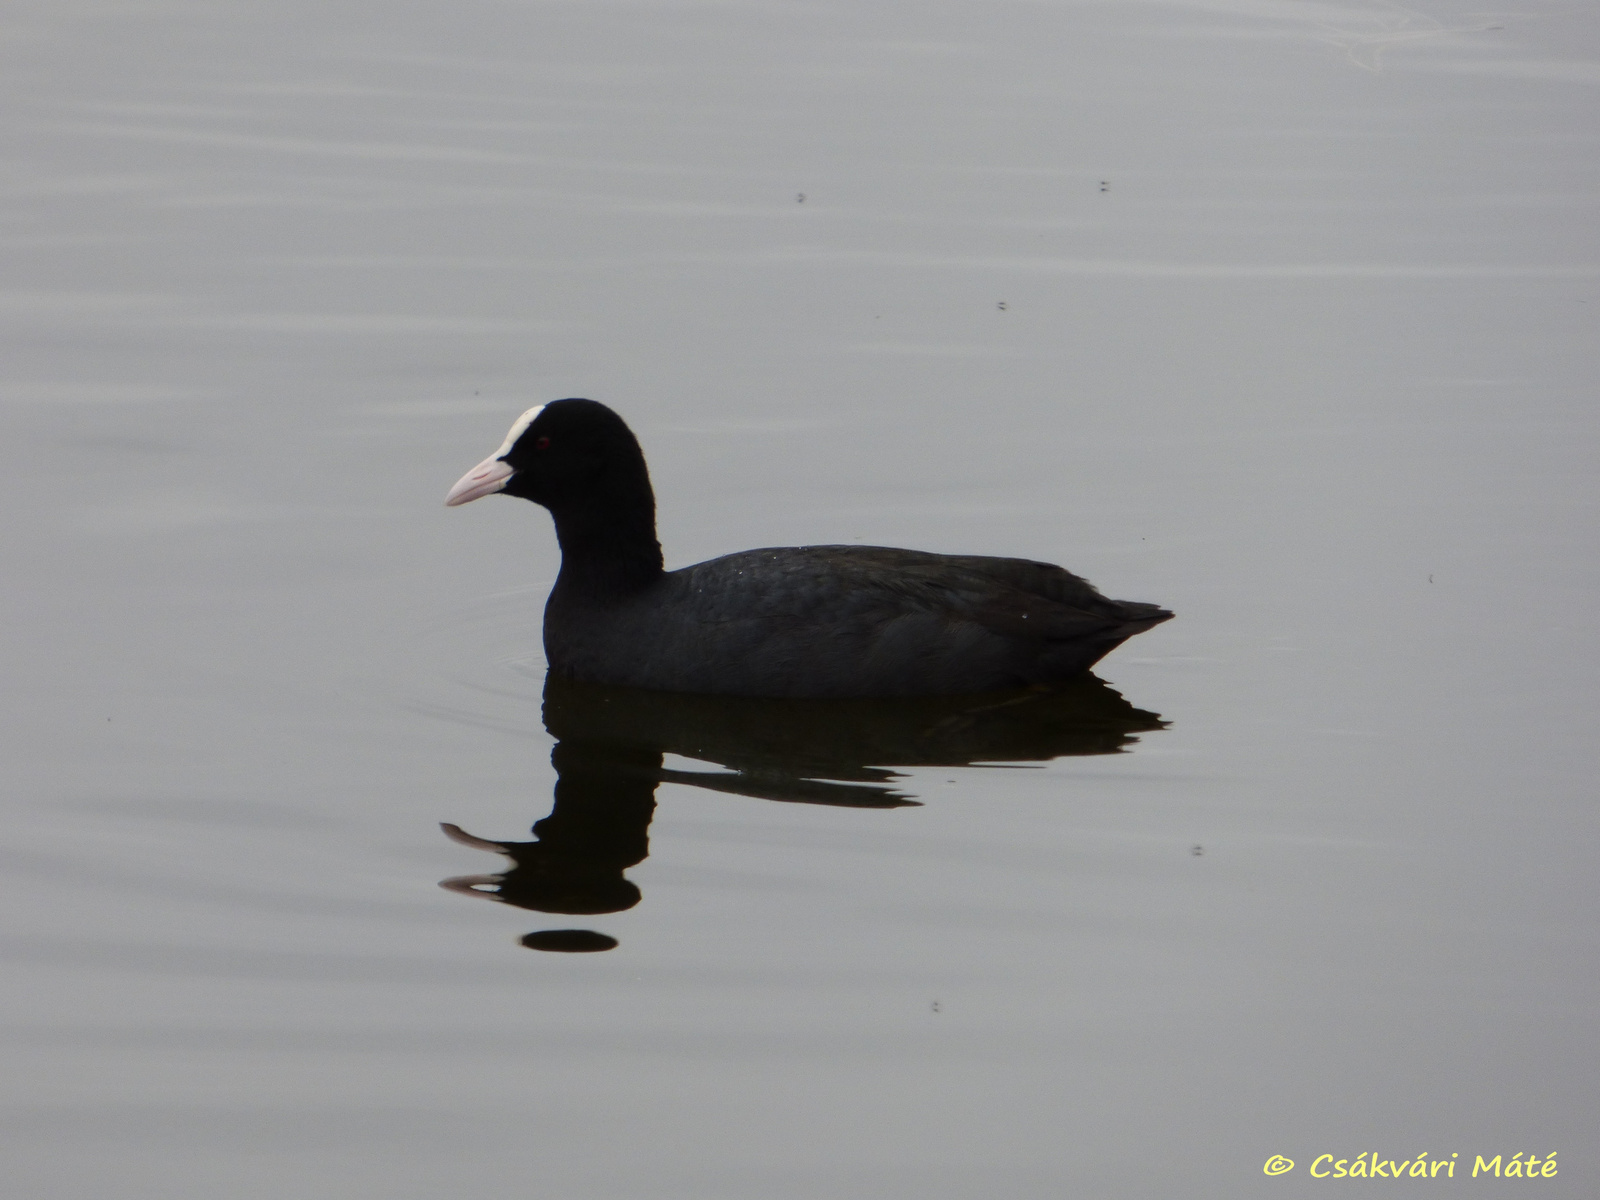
<point x="611" y="743"/>
<point x="599" y="827"/>
<point x="839" y="751"/>
<point x="809" y="621"/>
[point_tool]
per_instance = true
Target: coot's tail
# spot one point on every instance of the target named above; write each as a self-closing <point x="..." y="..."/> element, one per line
<point x="1134" y="618"/>
<point x="1140" y="617"/>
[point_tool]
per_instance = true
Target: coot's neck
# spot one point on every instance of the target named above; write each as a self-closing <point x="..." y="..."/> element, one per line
<point x="608" y="541"/>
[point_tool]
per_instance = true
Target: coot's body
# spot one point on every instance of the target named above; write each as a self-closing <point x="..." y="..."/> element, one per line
<point x="802" y="621"/>
<point x="840" y="621"/>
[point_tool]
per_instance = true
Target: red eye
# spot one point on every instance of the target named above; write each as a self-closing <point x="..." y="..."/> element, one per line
<point x="542" y="444"/>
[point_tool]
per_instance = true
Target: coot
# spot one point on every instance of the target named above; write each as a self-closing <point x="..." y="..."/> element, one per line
<point x="803" y="621"/>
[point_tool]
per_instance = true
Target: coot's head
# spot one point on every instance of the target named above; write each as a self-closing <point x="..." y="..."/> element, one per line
<point x="561" y="452"/>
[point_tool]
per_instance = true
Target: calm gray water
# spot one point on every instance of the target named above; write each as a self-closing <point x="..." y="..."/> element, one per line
<point x="1282" y="314"/>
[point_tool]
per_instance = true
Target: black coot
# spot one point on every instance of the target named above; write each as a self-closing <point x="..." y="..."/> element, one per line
<point x="798" y="621"/>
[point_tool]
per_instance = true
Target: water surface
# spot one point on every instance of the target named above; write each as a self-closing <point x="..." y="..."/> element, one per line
<point x="1282" y="315"/>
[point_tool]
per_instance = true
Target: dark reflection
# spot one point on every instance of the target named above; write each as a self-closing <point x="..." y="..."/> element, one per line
<point x="611" y="742"/>
<point x="569" y="941"/>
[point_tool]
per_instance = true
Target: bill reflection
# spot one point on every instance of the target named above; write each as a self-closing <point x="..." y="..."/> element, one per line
<point x="611" y="745"/>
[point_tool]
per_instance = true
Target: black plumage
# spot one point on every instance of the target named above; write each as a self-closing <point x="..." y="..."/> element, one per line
<point x="804" y="621"/>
